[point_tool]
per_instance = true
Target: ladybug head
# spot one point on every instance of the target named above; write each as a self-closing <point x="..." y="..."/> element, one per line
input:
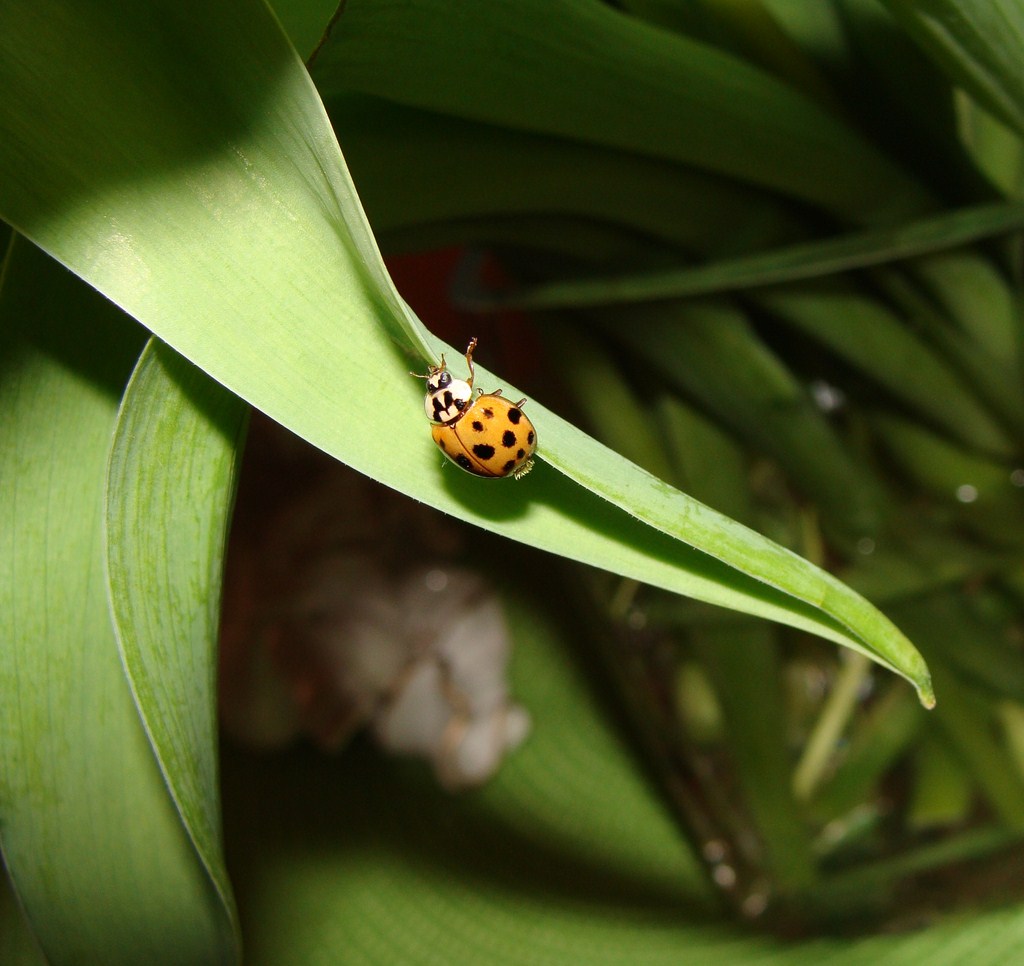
<point x="437" y="379"/>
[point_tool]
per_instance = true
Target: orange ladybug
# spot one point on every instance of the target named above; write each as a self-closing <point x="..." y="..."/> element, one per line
<point x="483" y="433"/>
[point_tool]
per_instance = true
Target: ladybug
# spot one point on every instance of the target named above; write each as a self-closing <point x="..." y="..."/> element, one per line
<point x="482" y="432"/>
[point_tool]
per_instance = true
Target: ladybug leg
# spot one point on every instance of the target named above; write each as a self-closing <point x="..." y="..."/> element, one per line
<point x="432" y="370"/>
<point x="519" y="405"/>
<point x="469" y="359"/>
<point x="521" y="471"/>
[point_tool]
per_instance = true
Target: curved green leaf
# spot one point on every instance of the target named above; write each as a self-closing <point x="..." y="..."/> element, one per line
<point x="96" y="851"/>
<point x="864" y="332"/>
<point x="582" y="70"/>
<point x="305" y="22"/>
<point x="415" y="167"/>
<point x="792" y="263"/>
<point x="743" y="662"/>
<point x="228" y="225"/>
<point x="853" y="621"/>
<point x="710" y="351"/>
<point x="973" y="293"/>
<point x="17" y="944"/>
<point x="169" y="493"/>
<point x="973" y="489"/>
<point x="566" y="856"/>
<point x="980" y="45"/>
<point x="943" y="319"/>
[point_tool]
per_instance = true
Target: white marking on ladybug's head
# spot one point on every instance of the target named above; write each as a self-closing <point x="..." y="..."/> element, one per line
<point x="438" y="378"/>
<point x="446" y="398"/>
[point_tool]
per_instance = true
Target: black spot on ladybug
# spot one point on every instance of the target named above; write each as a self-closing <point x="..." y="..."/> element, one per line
<point x="463" y="460"/>
<point x="509" y="466"/>
<point x="478" y="426"/>
<point x="514" y="415"/>
<point x="489" y="413"/>
<point x="440" y="443"/>
<point x="460" y="404"/>
<point x="530" y="437"/>
<point x="444" y="379"/>
<point x="520" y="454"/>
<point x="483" y="451"/>
<point x="508" y="439"/>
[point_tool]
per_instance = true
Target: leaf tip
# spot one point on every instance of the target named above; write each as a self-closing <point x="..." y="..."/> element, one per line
<point x="925" y="692"/>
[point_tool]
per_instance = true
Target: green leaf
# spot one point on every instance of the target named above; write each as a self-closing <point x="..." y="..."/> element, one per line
<point x="865" y="333"/>
<point x="980" y="45"/>
<point x="227" y="224"/>
<point x="966" y="725"/>
<point x="973" y="293"/>
<point x="744" y="663"/>
<point x="305" y="22"/>
<point x="709" y="351"/>
<point x="945" y="621"/>
<point x="968" y="487"/>
<point x="967" y="343"/>
<point x="942" y="788"/>
<point x="616" y="415"/>
<point x="566" y="855"/>
<point x="790" y="264"/>
<point x="417" y="168"/>
<point x="996" y="149"/>
<point x="653" y="502"/>
<point x="17" y="944"/>
<point x="888" y="730"/>
<point x="94" y="846"/>
<point x="990" y="936"/>
<point x="899" y="96"/>
<point x="169" y="493"/>
<point x="582" y="70"/>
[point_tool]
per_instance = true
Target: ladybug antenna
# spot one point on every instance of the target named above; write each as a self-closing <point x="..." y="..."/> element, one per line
<point x="431" y="369"/>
